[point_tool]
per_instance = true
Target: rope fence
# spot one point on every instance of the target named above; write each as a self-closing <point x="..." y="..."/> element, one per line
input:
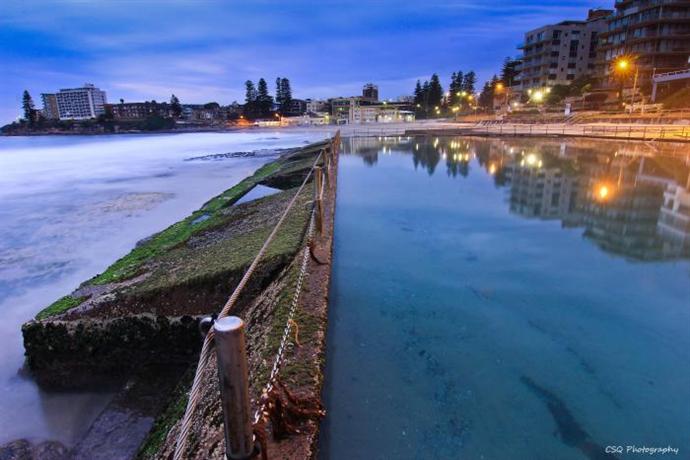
<point x="327" y="154"/>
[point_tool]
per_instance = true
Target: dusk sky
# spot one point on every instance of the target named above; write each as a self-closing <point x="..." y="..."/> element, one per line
<point x="204" y="50"/>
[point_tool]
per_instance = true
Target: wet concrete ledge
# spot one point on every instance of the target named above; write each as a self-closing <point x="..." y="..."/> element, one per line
<point x="143" y="312"/>
<point x="302" y="369"/>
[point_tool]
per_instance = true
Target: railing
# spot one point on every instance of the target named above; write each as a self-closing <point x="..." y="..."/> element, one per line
<point x="227" y="335"/>
<point x="626" y="132"/>
<point x="378" y="132"/>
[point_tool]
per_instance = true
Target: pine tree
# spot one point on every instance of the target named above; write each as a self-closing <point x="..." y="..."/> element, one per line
<point x="250" y="99"/>
<point x="509" y="71"/>
<point x="418" y="95"/>
<point x="279" y="94"/>
<point x="486" y="97"/>
<point x="425" y="97"/>
<point x="28" y="107"/>
<point x="435" y="93"/>
<point x="286" y="93"/>
<point x="452" y="89"/>
<point x="468" y="82"/>
<point x="264" y="100"/>
<point x="175" y="106"/>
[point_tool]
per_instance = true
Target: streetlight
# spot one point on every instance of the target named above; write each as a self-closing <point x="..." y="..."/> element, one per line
<point x="622" y="66"/>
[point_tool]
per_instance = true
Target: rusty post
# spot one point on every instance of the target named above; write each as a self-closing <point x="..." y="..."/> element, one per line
<point x="328" y="166"/>
<point x="233" y="379"/>
<point x="318" y="193"/>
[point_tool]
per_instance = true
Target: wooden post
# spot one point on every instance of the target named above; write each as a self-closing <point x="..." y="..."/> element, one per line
<point x="233" y="378"/>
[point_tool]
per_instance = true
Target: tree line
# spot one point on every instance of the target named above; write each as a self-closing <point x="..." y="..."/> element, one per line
<point x="430" y="100"/>
<point x="258" y="103"/>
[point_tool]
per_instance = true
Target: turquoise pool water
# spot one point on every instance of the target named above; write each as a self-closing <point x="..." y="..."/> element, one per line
<point x="508" y="300"/>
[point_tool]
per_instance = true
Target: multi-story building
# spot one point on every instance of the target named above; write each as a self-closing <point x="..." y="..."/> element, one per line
<point x="50" y="107"/>
<point x="76" y="103"/>
<point x="297" y="107"/>
<point x="540" y="191"/>
<point x="370" y="93"/>
<point x="560" y="53"/>
<point x="315" y="105"/>
<point x="655" y="34"/>
<point x="139" y="110"/>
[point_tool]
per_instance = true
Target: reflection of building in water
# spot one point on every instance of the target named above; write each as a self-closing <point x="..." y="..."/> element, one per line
<point x="628" y="201"/>
<point x="621" y="208"/>
<point x="541" y="191"/>
<point x="674" y="219"/>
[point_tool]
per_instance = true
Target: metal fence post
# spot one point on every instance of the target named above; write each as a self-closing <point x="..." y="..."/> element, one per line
<point x="233" y="377"/>
<point x="318" y="192"/>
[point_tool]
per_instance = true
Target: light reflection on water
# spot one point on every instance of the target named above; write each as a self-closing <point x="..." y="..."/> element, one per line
<point x="490" y="300"/>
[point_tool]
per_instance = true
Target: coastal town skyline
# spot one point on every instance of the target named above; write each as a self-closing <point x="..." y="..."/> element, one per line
<point x="205" y="51"/>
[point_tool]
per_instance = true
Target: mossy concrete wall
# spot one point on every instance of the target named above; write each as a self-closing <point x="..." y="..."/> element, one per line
<point x="145" y="307"/>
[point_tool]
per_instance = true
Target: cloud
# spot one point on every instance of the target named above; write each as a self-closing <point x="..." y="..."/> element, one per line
<point x="204" y="50"/>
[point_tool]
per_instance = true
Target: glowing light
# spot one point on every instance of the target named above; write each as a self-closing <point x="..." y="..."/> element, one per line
<point x="538" y="96"/>
<point x="602" y="192"/>
<point x="492" y="169"/>
<point x="499" y="87"/>
<point x="531" y="159"/>
<point x="622" y="65"/>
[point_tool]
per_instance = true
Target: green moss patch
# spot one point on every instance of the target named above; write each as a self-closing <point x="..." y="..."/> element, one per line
<point x="60" y="306"/>
<point x="209" y="216"/>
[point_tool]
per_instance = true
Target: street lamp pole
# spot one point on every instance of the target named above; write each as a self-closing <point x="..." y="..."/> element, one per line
<point x="634" y="90"/>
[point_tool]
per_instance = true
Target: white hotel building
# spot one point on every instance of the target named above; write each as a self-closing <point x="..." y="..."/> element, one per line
<point x="75" y="103"/>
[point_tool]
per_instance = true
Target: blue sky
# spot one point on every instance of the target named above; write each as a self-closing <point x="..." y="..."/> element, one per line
<point x="203" y="50"/>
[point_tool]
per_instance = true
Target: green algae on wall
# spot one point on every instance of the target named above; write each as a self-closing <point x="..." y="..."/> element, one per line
<point x="60" y="306"/>
<point x="180" y="232"/>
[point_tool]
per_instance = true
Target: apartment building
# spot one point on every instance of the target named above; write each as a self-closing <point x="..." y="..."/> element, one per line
<point x="654" y="34"/>
<point x="140" y="110"/>
<point x="50" y="107"/>
<point x="75" y="103"/>
<point x="557" y="54"/>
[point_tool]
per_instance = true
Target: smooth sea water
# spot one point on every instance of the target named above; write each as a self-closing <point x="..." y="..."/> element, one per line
<point x="508" y="300"/>
<point x="72" y="205"/>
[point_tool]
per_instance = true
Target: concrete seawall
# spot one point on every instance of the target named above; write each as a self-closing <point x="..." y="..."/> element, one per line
<point x="142" y="312"/>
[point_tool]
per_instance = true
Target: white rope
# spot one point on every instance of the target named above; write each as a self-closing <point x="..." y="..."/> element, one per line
<point x="195" y="392"/>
